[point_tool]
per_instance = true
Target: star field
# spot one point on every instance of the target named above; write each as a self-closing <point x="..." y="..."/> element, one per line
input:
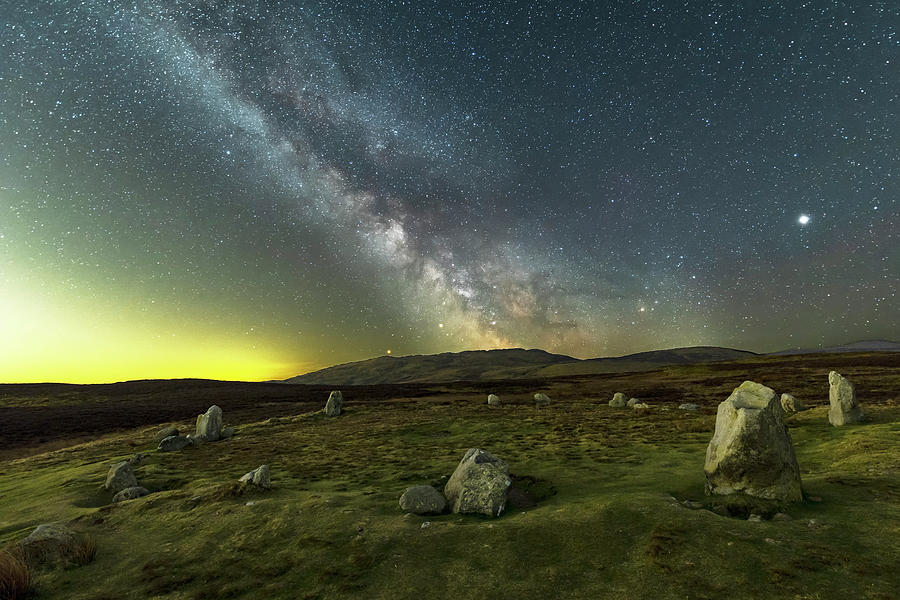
<point x="257" y="189"/>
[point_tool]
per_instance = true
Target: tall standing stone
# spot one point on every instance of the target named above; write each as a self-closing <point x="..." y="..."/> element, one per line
<point x="842" y="396"/>
<point x="334" y="404"/>
<point x="209" y="424"/>
<point x="479" y="484"/>
<point x="751" y="451"/>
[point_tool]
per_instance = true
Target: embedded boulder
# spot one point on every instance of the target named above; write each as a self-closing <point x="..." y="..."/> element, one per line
<point x="842" y="397"/>
<point x="541" y="399"/>
<point x="619" y="400"/>
<point x="258" y="477"/>
<point x="422" y="500"/>
<point x="751" y="451"/>
<point x="166" y="432"/>
<point x="120" y="476"/>
<point x="334" y="404"/>
<point x="493" y="400"/>
<point x="790" y="405"/>
<point x="209" y="424"/>
<point x="631" y="402"/>
<point x="173" y="443"/>
<point x="130" y="494"/>
<point x="479" y="484"/>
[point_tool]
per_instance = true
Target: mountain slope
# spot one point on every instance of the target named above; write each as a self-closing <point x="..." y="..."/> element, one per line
<point x="864" y="346"/>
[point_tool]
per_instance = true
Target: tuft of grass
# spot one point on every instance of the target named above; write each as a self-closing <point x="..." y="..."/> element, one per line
<point x="15" y="577"/>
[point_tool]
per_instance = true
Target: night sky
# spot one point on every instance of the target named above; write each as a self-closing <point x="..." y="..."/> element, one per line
<point x="251" y="190"/>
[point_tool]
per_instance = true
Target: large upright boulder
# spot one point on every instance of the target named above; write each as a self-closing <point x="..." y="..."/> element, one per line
<point x="209" y="424"/>
<point x="751" y="451"/>
<point x="120" y="477"/>
<point x="618" y="400"/>
<point x="479" y="484"/>
<point x="842" y="396"/>
<point x="334" y="404"/>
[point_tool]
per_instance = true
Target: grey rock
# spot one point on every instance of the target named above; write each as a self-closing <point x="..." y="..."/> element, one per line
<point x="790" y="405"/>
<point x="844" y="408"/>
<point x="479" y="484"/>
<point x="619" y="400"/>
<point x="137" y="459"/>
<point x="631" y="402"/>
<point x="173" y="443"/>
<point x="227" y="432"/>
<point x="130" y="494"/>
<point x="423" y="500"/>
<point x="194" y="439"/>
<point x="541" y="399"/>
<point x="258" y="477"/>
<point x="119" y="477"/>
<point x="48" y="540"/>
<point x="493" y="400"/>
<point x="334" y="404"/>
<point x="689" y="407"/>
<point x="640" y="405"/>
<point x="209" y="424"/>
<point x="782" y="517"/>
<point x="751" y="451"/>
<point x="166" y="432"/>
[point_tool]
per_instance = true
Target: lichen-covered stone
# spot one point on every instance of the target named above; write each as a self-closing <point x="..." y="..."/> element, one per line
<point x="541" y="399"/>
<point x="334" y="404"/>
<point x="479" y="484"/>
<point x="751" y="451"/>
<point x="173" y="443"/>
<point x="423" y="500"/>
<point x="120" y="476"/>
<point x="258" y="477"/>
<point x="844" y="408"/>
<point x="130" y="494"/>
<point x="619" y="400"/>
<point x="493" y="400"/>
<point x="209" y="424"/>
<point x="790" y="405"/>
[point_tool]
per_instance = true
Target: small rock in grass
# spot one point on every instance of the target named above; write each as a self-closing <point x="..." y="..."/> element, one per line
<point x="258" y="477"/>
<point x="791" y="405"/>
<point x="422" y="500"/>
<point x="619" y="400"/>
<point x="173" y="443"/>
<point x="782" y="517"/>
<point x="227" y="432"/>
<point x="119" y="477"/>
<point x="755" y="518"/>
<point x="689" y="407"/>
<point x="166" y="432"/>
<point x="130" y="494"/>
<point x="541" y="399"/>
<point x="493" y="400"/>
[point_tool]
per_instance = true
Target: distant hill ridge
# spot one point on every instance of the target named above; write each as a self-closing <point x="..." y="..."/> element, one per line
<point x="512" y="363"/>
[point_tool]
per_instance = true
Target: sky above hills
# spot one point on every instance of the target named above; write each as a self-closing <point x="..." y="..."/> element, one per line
<point x="251" y="190"/>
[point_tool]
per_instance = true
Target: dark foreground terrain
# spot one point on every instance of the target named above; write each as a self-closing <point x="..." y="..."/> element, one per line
<point x="610" y="486"/>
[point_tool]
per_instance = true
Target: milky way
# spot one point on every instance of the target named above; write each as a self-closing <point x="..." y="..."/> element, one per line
<point x="307" y="183"/>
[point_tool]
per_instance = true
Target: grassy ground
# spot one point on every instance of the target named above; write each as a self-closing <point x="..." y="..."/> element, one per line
<point x="331" y="526"/>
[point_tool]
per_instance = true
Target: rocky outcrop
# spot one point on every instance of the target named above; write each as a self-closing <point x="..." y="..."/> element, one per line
<point x="751" y="451"/>
<point x="130" y="494"/>
<point x="493" y="400"/>
<point x="119" y="477"/>
<point x="844" y="408"/>
<point x="541" y="399"/>
<point x="790" y="405"/>
<point x="334" y="404"/>
<point x="423" y="500"/>
<point x="209" y="424"/>
<point x="479" y="484"/>
<point x="619" y="400"/>
<point x="173" y="443"/>
<point x="258" y="477"/>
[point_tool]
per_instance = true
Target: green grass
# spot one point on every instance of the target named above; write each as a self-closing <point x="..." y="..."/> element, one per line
<point x="331" y="526"/>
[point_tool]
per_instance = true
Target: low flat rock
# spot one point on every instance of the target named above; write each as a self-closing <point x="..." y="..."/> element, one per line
<point x="619" y="400"/>
<point x="479" y="484"/>
<point x="166" y="432"/>
<point x="689" y="407"/>
<point x="423" y="500"/>
<point x="790" y="405"/>
<point x="119" y="477"/>
<point x="130" y="494"/>
<point x="631" y="402"/>
<point x="173" y="443"/>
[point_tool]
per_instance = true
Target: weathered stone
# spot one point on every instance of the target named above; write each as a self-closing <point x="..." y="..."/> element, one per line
<point x="120" y="476"/>
<point x="689" y="407"/>
<point x="227" y="432"/>
<point x="422" y="500"/>
<point x="137" y="459"/>
<point x="48" y="542"/>
<point x="842" y="396"/>
<point x="258" y="477"/>
<point x="194" y="439"/>
<point x="751" y="451"/>
<point x="209" y="424"/>
<point x="334" y="404"/>
<point x="173" y="443"/>
<point x="166" y="432"/>
<point x="631" y="402"/>
<point x="541" y="399"/>
<point x="493" y="400"/>
<point x="619" y="400"/>
<point x="130" y="494"/>
<point x="790" y="405"/>
<point x="479" y="484"/>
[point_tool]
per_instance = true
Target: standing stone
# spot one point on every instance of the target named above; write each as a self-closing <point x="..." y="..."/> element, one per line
<point x="541" y="399"/>
<point x="751" y="451"/>
<point x="258" y="477"/>
<point x="842" y="396"/>
<point x="422" y="500"/>
<point x="479" y="484"/>
<point x="173" y="443"/>
<point x="209" y="424"/>
<point x="618" y="400"/>
<point x="493" y="400"/>
<point x="334" y="404"/>
<point x="791" y="405"/>
<point x="120" y="476"/>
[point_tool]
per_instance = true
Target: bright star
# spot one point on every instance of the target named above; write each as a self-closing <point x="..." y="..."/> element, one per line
<point x="803" y="220"/>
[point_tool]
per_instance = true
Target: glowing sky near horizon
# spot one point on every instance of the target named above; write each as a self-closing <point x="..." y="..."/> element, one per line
<point x="251" y="190"/>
